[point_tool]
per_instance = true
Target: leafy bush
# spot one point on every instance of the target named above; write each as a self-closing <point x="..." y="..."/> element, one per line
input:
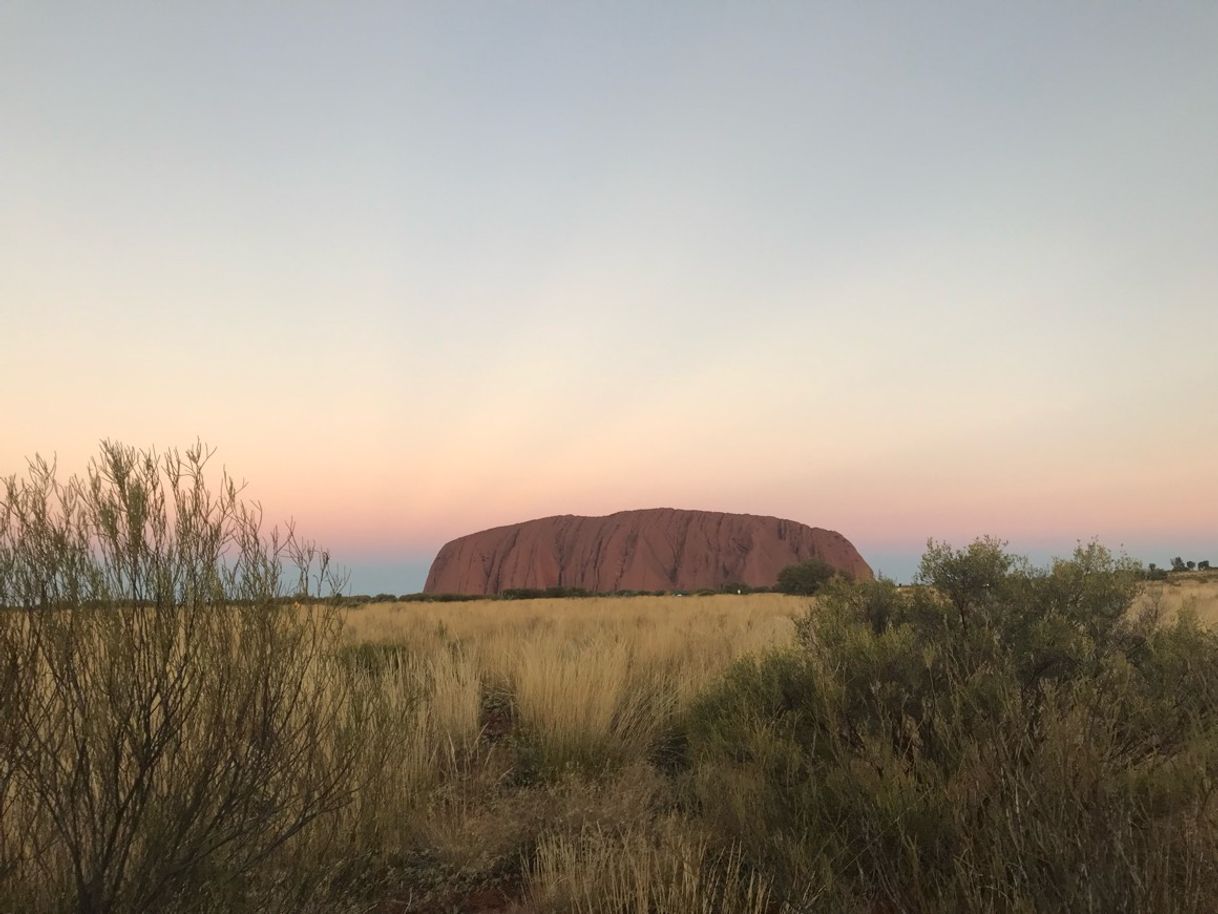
<point x="1000" y="738"/>
<point x="805" y="578"/>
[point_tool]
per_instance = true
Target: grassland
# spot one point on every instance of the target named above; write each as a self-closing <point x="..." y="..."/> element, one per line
<point x="532" y="757"/>
<point x="1193" y="593"/>
<point x="538" y="778"/>
<point x="536" y="771"/>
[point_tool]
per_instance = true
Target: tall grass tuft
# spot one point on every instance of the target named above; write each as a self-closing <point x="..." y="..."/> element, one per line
<point x="641" y="871"/>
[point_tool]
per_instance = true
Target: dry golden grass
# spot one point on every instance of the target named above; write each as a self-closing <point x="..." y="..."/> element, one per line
<point x="532" y="727"/>
<point x="700" y="634"/>
<point x="583" y="690"/>
<point x="592" y="682"/>
<point x="528" y="740"/>
<point x="571" y="618"/>
<point x="667" y="867"/>
<point x="1196" y="594"/>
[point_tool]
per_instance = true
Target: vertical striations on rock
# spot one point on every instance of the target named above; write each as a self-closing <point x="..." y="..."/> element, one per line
<point x="652" y="549"/>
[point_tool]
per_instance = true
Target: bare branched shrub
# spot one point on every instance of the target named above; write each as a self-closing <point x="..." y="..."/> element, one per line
<point x="171" y="717"/>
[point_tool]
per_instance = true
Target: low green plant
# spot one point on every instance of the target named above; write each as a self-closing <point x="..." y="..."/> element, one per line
<point x="805" y="578"/>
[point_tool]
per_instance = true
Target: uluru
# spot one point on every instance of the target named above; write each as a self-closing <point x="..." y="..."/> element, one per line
<point x="651" y="549"/>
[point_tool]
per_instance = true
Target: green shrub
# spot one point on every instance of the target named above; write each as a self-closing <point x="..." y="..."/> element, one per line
<point x="805" y="578"/>
<point x="1000" y="738"/>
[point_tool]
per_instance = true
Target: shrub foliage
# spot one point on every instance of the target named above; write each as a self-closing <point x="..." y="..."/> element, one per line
<point x="1000" y="738"/>
<point x="805" y="578"/>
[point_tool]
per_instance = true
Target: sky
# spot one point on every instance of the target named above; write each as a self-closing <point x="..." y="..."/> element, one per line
<point x="419" y="269"/>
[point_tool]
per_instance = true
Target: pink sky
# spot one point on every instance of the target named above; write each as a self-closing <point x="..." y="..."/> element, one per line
<point x="417" y="272"/>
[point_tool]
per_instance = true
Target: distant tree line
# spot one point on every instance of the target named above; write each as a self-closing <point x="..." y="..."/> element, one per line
<point x="545" y="593"/>
<point x="1178" y="565"/>
<point x="800" y="579"/>
<point x="804" y="578"/>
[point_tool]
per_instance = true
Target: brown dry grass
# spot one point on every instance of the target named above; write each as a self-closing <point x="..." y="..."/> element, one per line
<point x="533" y="726"/>
<point x="573" y="618"/>
<point x="527" y="765"/>
<point x="1196" y="594"/>
<point x="716" y="629"/>
<point x="589" y="686"/>
<point x="590" y="681"/>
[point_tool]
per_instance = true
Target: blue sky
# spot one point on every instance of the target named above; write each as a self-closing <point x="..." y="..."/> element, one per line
<point x="421" y="269"/>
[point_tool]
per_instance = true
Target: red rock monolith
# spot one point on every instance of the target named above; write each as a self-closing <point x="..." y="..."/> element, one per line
<point x="652" y="549"/>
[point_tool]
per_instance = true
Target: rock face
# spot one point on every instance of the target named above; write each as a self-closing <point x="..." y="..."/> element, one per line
<point x="655" y="549"/>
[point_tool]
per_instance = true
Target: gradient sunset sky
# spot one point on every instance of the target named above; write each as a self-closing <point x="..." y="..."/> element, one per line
<point x="418" y="269"/>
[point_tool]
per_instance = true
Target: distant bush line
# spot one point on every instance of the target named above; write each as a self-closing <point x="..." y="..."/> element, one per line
<point x="513" y="593"/>
<point x="545" y="593"/>
<point x="800" y="579"/>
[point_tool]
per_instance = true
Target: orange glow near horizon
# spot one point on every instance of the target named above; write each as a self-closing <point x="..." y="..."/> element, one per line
<point x="414" y="283"/>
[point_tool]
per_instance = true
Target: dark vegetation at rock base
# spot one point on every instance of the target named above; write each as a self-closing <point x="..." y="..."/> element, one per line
<point x="546" y="593"/>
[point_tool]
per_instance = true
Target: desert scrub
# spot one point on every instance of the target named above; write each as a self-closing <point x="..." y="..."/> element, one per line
<point x="172" y="724"/>
<point x="1002" y="738"/>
